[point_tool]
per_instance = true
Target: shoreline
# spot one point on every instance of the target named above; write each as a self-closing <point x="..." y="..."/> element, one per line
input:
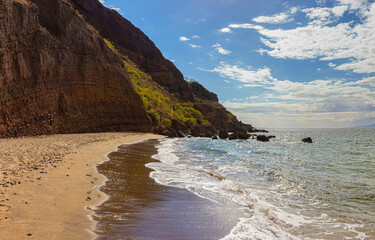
<point x="49" y="185"/>
<point x="140" y="208"/>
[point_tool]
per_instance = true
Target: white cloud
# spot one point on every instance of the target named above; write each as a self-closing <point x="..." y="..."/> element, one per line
<point x="183" y="39"/>
<point x="246" y="75"/>
<point x="293" y="10"/>
<point x="116" y="9"/>
<point x="195" y="37"/>
<point x="275" y="19"/>
<point x="225" y="30"/>
<point x="354" y="4"/>
<point x="245" y="25"/>
<point x="102" y="1"/>
<point x="354" y="43"/>
<point x="221" y="50"/>
<point x="305" y="97"/>
<point x="195" y="46"/>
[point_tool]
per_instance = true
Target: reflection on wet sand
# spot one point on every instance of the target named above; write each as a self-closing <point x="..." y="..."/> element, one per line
<point x="139" y="208"/>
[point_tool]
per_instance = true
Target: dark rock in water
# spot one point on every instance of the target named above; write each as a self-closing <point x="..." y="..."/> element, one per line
<point x="262" y="138"/>
<point x="215" y="138"/>
<point x="253" y="136"/>
<point x="233" y="137"/>
<point x="239" y="134"/>
<point x="271" y="136"/>
<point x="259" y="130"/>
<point x="223" y="135"/>
<point x="307" y="140"/>
<point x="242" y="134"/>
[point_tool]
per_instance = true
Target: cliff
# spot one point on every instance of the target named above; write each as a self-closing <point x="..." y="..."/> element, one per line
<point x="138" y="48"/>
<point x="57" y="75"/>
<point x="133" y="43"/>
<point x="70" y="66"/>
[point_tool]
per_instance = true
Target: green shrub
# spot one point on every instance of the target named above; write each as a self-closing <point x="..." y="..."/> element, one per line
<point x="167" y="122"/>
<point x="157" y="100"/>
<point x="154" y="116"/>
<point x="110" y="45"/>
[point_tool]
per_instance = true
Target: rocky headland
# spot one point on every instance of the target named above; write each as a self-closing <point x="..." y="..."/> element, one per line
<point x="74" y="66"/>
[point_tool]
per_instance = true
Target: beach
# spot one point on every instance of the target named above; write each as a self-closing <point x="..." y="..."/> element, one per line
<point x="140" y="208"/>
<point x="49" y="184"/>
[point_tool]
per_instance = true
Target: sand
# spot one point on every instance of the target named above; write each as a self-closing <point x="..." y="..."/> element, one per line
<point x="49" y="184"/>
<point x="139" y="208"/>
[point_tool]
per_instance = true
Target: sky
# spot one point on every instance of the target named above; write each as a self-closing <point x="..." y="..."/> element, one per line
<point x="274" y="63"/>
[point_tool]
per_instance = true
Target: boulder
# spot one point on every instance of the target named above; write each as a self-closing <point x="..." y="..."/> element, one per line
<point x="215" y="138"/>
<point x="223" y="135"/>
<point x="233" y="137"/>
<point x="198" y="131"/>
<point x="241" y="134"/>
<point x="307" y="140"/>
<point x="271" y="136"/>
<point x="262" y="138"/>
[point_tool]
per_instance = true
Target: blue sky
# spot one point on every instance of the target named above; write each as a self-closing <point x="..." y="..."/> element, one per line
<point x="289" y="64"/>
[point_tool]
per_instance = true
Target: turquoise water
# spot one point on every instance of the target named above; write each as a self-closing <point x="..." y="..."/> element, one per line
<point x="287" y="189"/>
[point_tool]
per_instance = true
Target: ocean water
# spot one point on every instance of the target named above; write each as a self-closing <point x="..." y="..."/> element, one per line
<point x="287" y="189"/>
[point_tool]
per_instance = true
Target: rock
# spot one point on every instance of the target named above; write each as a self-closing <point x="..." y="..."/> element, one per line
<point x="223" y="135"/>
<point x="307" y="140"/>
<point x="262" y="138"/>
<point x="60" y="76"/>
<point x="271" y="136"/>
<point x="181" y="134"/>
<point x="241" y="134"/>
<point x="172" y="134"/>
<point x="202" y="93"/>
<point x="215" y="138"/>
<point x="198" y="131"/>
<point x="259" y="131"/>
<point x="134" y="44"/>
<point x="233" y="137"/>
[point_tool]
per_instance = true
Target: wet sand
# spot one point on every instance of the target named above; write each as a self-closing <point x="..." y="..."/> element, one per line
<point x="139" y="208"/>
<point x="48" y="184"/>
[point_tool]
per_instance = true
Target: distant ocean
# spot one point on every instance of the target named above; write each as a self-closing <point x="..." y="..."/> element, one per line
<point x="287" y="189"/>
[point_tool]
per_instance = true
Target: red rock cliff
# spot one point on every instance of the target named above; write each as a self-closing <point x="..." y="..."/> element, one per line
<point x="133" y="43"/>
<point x="58" y="76"/>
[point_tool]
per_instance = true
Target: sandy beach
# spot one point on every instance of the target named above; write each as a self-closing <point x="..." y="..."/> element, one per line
<point x="140" y="208"/>
<point x="49" y="184"/>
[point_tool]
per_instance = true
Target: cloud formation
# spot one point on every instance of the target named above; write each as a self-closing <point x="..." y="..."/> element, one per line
<point x="183" y="39"/>
<point x="325" y="38"/>
<point x="221" y="50"/>
<point x="195" y="46"/>
<point x="322" y="99"/>
<point x="275" y="19"/>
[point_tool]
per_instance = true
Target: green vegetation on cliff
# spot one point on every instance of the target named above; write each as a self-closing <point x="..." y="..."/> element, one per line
<point x="159" y="104"/>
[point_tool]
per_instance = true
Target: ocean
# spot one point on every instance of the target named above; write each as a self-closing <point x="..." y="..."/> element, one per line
<point x="287" y="189"/>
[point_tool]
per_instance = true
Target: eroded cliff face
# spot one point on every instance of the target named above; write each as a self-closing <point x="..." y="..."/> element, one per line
<point x="58" y="76"/>
<point x="133" y="43"/>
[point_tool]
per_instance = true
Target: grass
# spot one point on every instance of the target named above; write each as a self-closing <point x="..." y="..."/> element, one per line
<point x="159" y="103"/>
<point x="110" y="45"/>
